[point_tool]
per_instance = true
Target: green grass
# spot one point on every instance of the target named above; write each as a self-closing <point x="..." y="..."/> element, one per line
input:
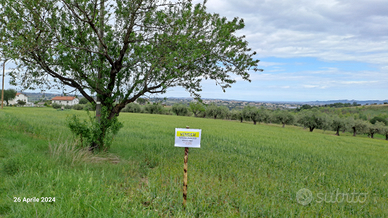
<point x="240" y="169"/>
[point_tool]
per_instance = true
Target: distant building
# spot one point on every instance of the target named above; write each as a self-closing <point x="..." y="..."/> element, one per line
<point x="65" y="100"/>
<point x="19" y="96"/>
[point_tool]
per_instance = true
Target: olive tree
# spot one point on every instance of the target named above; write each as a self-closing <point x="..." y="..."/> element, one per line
<point x="196" y="108"/>
<point x="120" y="50"/>
<point x="313" y="119"/>
<point x="337" y="124"/>
<point x="283" y="117"/>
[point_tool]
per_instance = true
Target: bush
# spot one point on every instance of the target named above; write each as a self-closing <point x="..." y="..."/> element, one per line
<point x="379" y="119"/>
<point x="154" y="109"/>
<point x="132" y="108"/>
<point x="78" y="107"/>
<point x="68" y="107"/>
<point x="180" y="109"/>
<point x="83" y="101"/>
<point x="89" y="107"/>
<point x="56" y="106"/>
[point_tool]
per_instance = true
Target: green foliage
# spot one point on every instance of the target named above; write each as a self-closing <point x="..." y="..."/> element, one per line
<point x="21" y="103"/>
<point x="359" y="126"/>
<point x="132" y="107"/>
<point x="237" y="115"/>
<point x="313" y="119"/>
<point x="90" y="132"/>
<point x="196" y="108"/>
<point x="154" y="108"/>
<point x="378" y="119"/>
<point x="143" y="47"/>
<point x="9" y="94"/>
<point x="251" y="113"/>
<point x="215" y="111"/>
<point x="68" y="107"/>
<point x="83" y="101"/>
<point x="283" y="117"/>
<point x="141" y="101"/>
<point x="78" y="107"/>
<point x="337" y="124"/>
<point x="180" y="109"/>
<point x="56" y="105"/>
<point x="90" y="107"/>
<point x="263" y="162"/>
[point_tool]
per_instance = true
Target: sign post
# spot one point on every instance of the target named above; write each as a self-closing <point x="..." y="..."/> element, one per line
<point x="187" y="138"/>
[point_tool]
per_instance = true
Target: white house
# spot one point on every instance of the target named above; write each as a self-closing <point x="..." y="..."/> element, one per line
<point x="65" y="100"/>
<point x="19" y="96"/>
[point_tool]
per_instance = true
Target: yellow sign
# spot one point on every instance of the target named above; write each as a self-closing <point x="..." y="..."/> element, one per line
<point x="187" y="134"/>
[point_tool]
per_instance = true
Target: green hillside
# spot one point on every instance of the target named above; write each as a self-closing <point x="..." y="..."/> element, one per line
<point x="240" y="170"/>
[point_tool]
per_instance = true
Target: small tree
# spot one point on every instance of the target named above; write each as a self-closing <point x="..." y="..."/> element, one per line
<point x="214" y="111"/>
<point x="359" y="127"/>
<point x="83" y="101"/>
<point x="383" y="130"/>
<point x="263" y="115"/>
<point x="9" y="94"/>
<point x="237" y="115"/>
<point x="337" y="124"/>
<point x="283" y="117"/>
<point x="372" y="129"/>
<point x="121" y="50"/>
<point x="154" y="108"/>
<point x="251" y="113"/>
<point x="132" y="107"/>
<point x="313" y="119"/>
<point x="196" y="108"/>
<point x="180" y="109"/>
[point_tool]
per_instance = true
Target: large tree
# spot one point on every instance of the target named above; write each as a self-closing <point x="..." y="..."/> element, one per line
<point x="121" y="50"/>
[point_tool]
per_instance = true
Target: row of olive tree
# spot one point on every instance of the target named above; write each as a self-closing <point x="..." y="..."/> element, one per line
<point x="311" y="119"/>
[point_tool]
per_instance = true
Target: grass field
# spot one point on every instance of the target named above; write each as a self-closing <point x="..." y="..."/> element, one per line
<point x="241" y="170"/>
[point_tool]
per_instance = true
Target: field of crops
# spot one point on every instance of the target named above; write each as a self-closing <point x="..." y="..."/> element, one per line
<point x="240" y="170"/>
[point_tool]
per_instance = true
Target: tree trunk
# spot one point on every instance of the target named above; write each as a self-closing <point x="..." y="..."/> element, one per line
<point x="283" y="125"/>
<point x="254" y="122"/>
<point x="337" y="133"/>
<point x="371" y="135"/>
<point x="386" y="136"/>
<point x="354" y="131"/>
<point x="312" y="129"/>
<point x="241" y="119"/>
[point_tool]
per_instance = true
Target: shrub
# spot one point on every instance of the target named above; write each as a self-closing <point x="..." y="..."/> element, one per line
<point x="89" y="107"/>
<point x="132" y="108"/>
<point x="83" y="101"/>
<point x="78" y="107"/>
<point x="68" y="107"/>
<point x="154" y="108"/>
<point x="180" y="109"/>
<point x="56" y="106"/>
<point x="379" y="119"/>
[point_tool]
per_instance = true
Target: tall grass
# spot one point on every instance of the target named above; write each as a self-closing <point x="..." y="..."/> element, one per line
<point x="240" y="169"/>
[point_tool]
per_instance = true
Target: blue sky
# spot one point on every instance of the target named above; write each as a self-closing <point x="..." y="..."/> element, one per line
<point x="309" y="50"/>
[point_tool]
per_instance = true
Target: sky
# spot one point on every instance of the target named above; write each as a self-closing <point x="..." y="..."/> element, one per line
<point x="309" y="50"/>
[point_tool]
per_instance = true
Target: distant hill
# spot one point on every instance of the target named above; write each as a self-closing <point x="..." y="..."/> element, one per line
<point x="362" y="102"/>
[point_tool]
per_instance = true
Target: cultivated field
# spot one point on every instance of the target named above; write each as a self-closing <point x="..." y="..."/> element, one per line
<point x="240" y="170"/>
